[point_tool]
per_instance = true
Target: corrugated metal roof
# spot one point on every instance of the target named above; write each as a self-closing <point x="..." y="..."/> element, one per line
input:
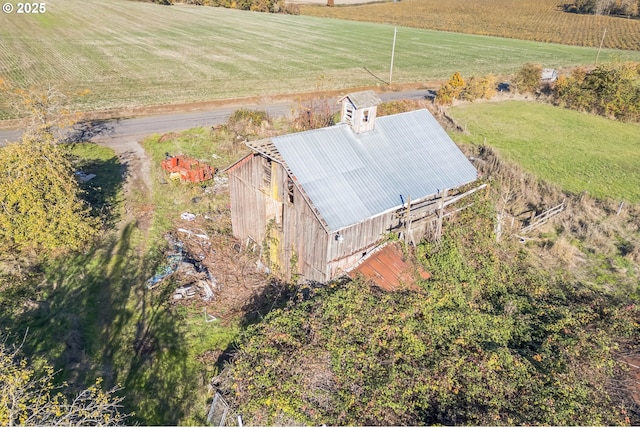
<point x="387" y="269"/>
<point x="266" y="147"/>
<point x="351" y="177"/>
<point x="366" y="98"/>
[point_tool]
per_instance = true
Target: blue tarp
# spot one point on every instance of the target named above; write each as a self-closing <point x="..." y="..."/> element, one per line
<point x="165" y="271"/>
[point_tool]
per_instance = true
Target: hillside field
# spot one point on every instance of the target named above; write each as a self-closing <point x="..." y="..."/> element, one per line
<point x="580" y="152"/>
<point x="542" y="20"/>
<point x="124" y="54"/>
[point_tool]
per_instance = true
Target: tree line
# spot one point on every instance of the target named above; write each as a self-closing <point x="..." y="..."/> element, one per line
<point x="605" y="7"/>
<point x="273" y="6"/>
<point x="610" y="90"/>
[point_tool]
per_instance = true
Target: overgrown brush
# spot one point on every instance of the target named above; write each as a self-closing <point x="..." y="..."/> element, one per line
<point x="490" y="339"/>
<point x="610" y="90"/>
<point x="244" y="122"/>
<point x="587" y="229"/>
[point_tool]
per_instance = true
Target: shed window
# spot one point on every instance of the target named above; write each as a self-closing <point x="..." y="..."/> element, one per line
<point x="266" y="173"/>
<point x="290" y="190"/>
<point x="365" y="116"/>
<point x="348" y="114"/>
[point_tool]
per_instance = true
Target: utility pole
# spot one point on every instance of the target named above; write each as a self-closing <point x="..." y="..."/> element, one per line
<point x="600" y="48"/>
<point x="393" y="51"/>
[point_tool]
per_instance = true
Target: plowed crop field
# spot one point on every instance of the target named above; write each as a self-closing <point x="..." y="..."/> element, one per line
<point x="539" y="20"/>
<point x="129" y="54"/>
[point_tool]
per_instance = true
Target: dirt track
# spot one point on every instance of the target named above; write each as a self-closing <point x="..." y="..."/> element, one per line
<point x="137" y="165"/>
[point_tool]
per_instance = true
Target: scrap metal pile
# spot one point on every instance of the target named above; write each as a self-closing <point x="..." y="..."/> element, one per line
<point x="187" y="168"/>
<point x="208" y="269"/>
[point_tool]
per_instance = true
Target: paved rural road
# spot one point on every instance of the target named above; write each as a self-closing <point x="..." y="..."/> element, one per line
<point x="109" y="132"/>
<point x="123" y="135"/>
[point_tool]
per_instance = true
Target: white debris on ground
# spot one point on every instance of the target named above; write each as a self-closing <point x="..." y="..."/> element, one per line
<point x="84" y="177"/>
<point x="212" y="270"/>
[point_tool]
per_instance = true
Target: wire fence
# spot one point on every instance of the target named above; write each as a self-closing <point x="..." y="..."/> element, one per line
<point x="218" y="412"/>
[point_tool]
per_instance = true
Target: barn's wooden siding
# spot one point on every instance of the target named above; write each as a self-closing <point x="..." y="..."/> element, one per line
<point x="305" y="240"/>
<point x="269" y="209"/>
<point x="297" y="240"/>
<point x="356" y="241"/>
<point x="248" y="201"/>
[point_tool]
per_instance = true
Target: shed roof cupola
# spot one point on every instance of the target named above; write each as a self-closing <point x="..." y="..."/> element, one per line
<point x="359" y="110"/>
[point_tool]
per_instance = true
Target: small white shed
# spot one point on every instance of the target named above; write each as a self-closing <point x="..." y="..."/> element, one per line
<point x="549" y="75"/>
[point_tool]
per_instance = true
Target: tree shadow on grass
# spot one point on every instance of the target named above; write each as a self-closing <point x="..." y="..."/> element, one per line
<point x="94" y="318"/>
<point x="159" y="369"/>
<point x="104" y="191"/>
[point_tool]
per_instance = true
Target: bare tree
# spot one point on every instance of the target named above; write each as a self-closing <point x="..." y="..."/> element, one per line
<point x="603" y="7"/>
<point x="27" y="398"/>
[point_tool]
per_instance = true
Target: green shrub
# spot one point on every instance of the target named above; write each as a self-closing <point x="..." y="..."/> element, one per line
<point x="610" y="90"/>
<point x="479" y="88"/>
<point x="528" y="79"/>
<point x="451" y="90"/>
<point x="244" y="122"/>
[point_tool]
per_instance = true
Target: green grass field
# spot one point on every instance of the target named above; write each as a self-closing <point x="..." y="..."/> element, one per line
<point x="580" y="152"/>
<point x="135" y="54"/>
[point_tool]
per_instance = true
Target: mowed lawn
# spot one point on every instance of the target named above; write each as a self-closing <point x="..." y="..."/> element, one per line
<point x="128" y="53"/>
<point x="578" y="151"/>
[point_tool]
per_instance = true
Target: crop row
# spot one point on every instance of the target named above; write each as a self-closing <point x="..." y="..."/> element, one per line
<point x="130" y="54"/>
<point x="541" y="20"/>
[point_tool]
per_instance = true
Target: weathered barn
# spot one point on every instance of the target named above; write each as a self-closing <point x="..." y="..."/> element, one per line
<point x="316" y="202"/>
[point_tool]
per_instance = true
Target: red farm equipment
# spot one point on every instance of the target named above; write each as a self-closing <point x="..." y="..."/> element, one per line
<point x="187" y="168"/>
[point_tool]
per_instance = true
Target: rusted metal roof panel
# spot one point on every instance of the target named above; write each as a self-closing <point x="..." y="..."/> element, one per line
<point x="387" y="269"/>
<point x="352" y="177"/>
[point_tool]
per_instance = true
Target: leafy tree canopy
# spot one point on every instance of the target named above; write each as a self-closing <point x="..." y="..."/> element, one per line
<point x="528" y="78"/>
<point x="604" y="7"/>
<point x="40" y="204"/>
<point x="470" y="90"/>
<point x="611" y="90"/>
